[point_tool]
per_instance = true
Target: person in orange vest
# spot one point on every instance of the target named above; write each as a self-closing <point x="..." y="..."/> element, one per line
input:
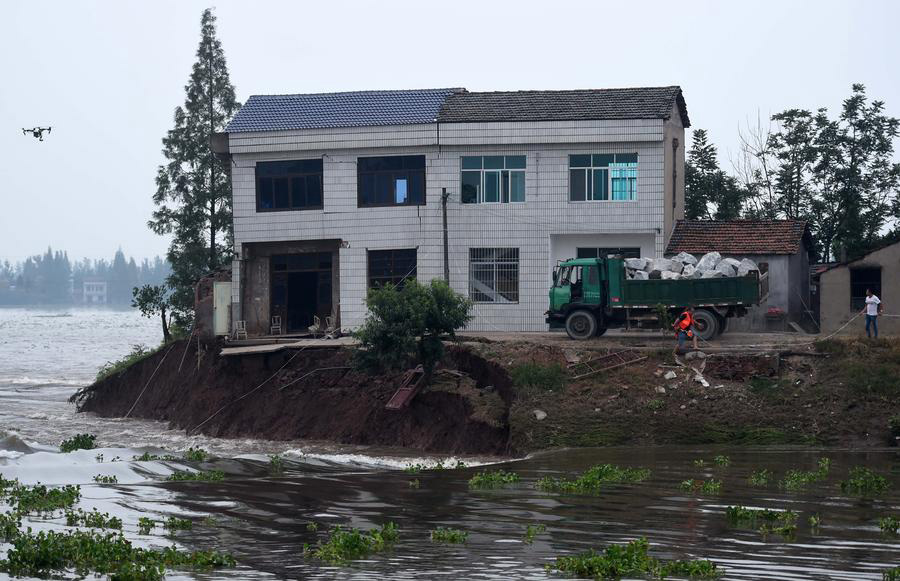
<point x="684" y="329"/>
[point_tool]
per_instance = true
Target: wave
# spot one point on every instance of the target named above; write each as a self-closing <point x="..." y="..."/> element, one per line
<point x="40" y="381"/>
<point x="390" y="462"/>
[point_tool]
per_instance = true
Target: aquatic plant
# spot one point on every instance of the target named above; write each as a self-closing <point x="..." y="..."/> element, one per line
<point x="721" y="460"/>
<point x="630" y="560"/>
<point x="535" y="376"/>
<point x="891" y="574"/>
<point x="442" y="535"/>
<point x="760" y="477"/>
<point x="51" y="553"/>
<point x="148" y="457"/>
<point x="40" y="498"/>
<point x="711" y="486"/>
<point x="743" y="514"/>
<point x="594" y="479"/>
<point x="864" y="482"/>
<point x="195" y="454"/>
<point x="145" y="525"/>
<point x="795" y="480"/>
<point x="211" y="476"/>
<point x="699" y="462"/>
<point x="79" y="442"/>
<point x="814" y="521"/>
<point x="99" y="458"/>
<point x="493" y="479"/>
<point x="414" y="468"/>
<point x="173" y="524"/>
<point x="889" y="524"/>
<point x="346" y="545"/>
<point x="93" y="519"/>
<point x="786" y="530"/>
<point x="10" y="522"/>
<point x="312" y="526"/>
<point x="106" y="479"/>
<point x="276" y="464"/>
<point x="414" y="483"/>
<point x="532" y="531"/>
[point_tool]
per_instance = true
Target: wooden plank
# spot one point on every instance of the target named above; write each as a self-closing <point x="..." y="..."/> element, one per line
<point x="302" y="343"/>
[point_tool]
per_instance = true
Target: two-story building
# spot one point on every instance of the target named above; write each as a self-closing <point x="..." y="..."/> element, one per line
<point x="336" y="192"/>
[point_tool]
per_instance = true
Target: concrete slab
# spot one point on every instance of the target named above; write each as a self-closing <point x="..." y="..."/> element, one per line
<point x="301" y="343"/>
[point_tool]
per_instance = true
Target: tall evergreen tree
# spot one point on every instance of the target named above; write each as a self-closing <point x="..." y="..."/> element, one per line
<point x="193" y="194"/>
<point x="709" y="193"/>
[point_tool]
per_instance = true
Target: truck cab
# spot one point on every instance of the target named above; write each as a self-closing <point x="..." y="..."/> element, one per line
<point x="578" y="286"/>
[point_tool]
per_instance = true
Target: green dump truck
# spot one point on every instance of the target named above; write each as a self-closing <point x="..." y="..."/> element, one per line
<point x="591" y="295"/>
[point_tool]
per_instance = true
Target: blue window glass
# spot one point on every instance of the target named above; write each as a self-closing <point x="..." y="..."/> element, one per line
<point x="605" y="177"/>
<point x="516" y="186"/>
<point x="600" y="185"/>
<point x="470" y="186"/>
<point x="602" y="160"/>
<point x="400" y="191"/>
<point x="624" y="181"/>
<point x="577" y="184"/>
<point x="515" y="162"/>
<point x="479" y="183"/>
<point x="493" y="162"/>
<point x="579" y="161"/>
<point x="491" y="186"/>
<point x="285" y="185"/>
<point x="471" y="163"/>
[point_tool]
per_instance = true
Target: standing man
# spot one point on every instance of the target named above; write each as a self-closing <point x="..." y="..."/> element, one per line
<point x="872" y="310"/>
<point x="684" y="329"/>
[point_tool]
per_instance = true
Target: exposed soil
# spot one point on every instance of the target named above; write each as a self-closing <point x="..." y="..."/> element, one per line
<point x="843" y="394"/>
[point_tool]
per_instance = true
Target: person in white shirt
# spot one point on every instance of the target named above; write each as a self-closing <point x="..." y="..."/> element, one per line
<point x="872" y="310"/>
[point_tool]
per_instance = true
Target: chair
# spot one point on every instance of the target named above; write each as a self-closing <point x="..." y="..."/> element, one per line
<point x="316" y="327"/>
<point x="330" y="328"/>
<point x="240" y="329"/>
<point x="275" y="328"/>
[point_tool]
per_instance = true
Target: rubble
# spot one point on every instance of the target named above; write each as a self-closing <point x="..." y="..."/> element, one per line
<point x="709" y="261"/>
<point x="686" y="266"/>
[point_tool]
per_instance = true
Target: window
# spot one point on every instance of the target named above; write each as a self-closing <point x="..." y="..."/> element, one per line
<point x="397" y="180"/>
<point x="495" y="179"/>
<point x="860" y="280"/>
<point x="494" y="275"/>
<point x="391" y="266"/>
<point x="289" y="185"/>
<point x="603" y="177"/>
<point x="627" y="252"/>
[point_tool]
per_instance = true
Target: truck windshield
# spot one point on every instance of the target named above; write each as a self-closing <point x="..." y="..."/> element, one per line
<point x="562" y="275"/>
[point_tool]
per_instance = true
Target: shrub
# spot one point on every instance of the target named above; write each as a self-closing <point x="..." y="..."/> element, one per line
<point x="79" y="442"/>
<point x="407" y="324"/>
<point x="864" y="482"/>
<point x="630" y="560"/>
<point x="593" y="479"/>
<point x="493" y="479"/>
<point x="539" y="377"/>
<point x="110" y="368"/>
<point x="442" y="535"/>
<point x="343" y="546"/>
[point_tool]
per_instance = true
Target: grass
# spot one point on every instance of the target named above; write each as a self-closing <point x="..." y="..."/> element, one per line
<point x="110" y="368"/>
<point x="347" y="545"/>
<point x="761" y="477"/>
<point x="493" y="479"/>
<point x="210" y="476"/>
<point x="537" y="377"/>
<point x="656" y="404"/>
<point x="864" y="482"/>
<point x="442" y="535"/>
<point x="532" y="531"/>
<point x="93" y="519"/>
<point x="795" y="480"/>
<point x="106" y="479"/>
<point x="889" y="524"/>
<point x="630" y="560"/>
<point x="711" y="486"/>
<point x="196" y="455"/>
<point x="145" y="525"/>
<point x="594" y="479"/>
<point x="79" y="442"/>
<point x="276" y="464"/>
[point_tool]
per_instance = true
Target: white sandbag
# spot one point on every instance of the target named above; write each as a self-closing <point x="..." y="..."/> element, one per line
<point x="669" y="275"/>
<point x="685" y="258"/>
<point x="664" y="264"/>
<point x="746" y="267"/>
<point x="712" y="274"/>
<point x="636" y="263"/>
<point x="709" y="261"/>
<point x="726" y="268"/>
<point x="640" y="275"/>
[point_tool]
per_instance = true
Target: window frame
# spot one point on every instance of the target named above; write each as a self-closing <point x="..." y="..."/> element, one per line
<point x="627" y="254"/>
<point x="408" y="275"/>
<point x="394" y="173"/>
<point x="858" y="302"/>
<point x="290" y="185"/>
<point x="495" y="263"/>
<point x="609" y="168"/>
<point x="482" y="171"/>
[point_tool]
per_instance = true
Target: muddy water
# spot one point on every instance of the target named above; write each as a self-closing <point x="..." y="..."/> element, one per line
<point x="263" y="520"/>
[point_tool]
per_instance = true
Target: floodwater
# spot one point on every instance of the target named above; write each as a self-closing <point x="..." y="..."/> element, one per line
<point x="262" y="519"/>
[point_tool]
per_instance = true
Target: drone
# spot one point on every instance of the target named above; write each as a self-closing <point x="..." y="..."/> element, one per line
<point x="37" y="132"/>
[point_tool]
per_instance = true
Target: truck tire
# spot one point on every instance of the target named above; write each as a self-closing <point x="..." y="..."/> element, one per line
<point x="723" y="324"/>
<point x="600" y="330"/>
<point x="706" y="324"/>
<point x="581" y="325"/>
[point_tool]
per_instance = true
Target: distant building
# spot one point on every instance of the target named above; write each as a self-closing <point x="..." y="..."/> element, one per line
<point x="94" y="292"/>
<point x="779" y="247"/>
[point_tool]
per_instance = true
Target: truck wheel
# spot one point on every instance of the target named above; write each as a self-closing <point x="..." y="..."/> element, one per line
<point x="601" y="331"/>
<point x="723" y="324"/>
<point x="581" y="325"/>
<point x="706" y="324"/>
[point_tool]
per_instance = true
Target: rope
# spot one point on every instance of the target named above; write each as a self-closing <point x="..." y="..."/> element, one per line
<point x="186" y="345"/>
<point x="218" y="411"/>
<point x="791" y="344"/>
<point x="152" y="375"/>
<point x="301" y="378"/>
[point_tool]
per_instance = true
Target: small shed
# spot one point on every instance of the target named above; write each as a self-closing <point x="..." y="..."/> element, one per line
<point x="842" y="291"/>
<point x="779" y="247"/>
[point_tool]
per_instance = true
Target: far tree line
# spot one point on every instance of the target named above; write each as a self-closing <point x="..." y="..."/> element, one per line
<point x="835" y="172"/>
<point x="52" y="278"/>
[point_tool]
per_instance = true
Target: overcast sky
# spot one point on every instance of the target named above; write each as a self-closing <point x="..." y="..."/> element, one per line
<point x="107" y="76"/>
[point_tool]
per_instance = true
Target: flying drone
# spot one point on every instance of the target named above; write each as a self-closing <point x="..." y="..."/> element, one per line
<point x="37" y="132"/>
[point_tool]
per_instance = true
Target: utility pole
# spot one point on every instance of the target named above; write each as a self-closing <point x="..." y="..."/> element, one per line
<point x="444" y="196"/>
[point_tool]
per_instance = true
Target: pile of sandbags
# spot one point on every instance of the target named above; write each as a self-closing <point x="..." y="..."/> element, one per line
<point x="686" y="266"/>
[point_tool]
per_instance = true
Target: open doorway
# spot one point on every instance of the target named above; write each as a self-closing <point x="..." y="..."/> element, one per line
<point x="301" y="289"/>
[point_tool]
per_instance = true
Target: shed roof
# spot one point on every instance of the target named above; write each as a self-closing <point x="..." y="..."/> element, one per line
<point x="739" y="236"/>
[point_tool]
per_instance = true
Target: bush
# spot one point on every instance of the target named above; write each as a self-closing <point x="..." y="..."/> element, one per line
<point x="79" y="442"/>
<point x="110" y="368"/>
<point x="536" y="376"/>
<point x="406" y="325"/>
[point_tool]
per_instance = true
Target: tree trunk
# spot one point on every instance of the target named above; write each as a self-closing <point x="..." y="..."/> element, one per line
<point x="165" y="326"/>
<point x="213" y="263"/>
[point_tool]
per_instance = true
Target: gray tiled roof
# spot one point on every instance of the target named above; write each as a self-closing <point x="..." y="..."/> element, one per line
<point x="582" y="104"/>
<point x="353" y="109"/>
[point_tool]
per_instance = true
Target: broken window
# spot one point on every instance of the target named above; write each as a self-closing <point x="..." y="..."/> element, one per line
<point x="860" y="280"/>
<point x="603" y="252"/>
<point x="494" y="275"/>
<point x="493" y="179"/>
<point x="397" y="180"/>
<point x="603" y="177"/>
<point x="391" y="266"/>
<point x="289" y="185"/>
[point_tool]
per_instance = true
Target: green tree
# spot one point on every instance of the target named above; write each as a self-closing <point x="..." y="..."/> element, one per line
<point x="154" y="300"/>
<point x="709" y="193"/>
<point x="193" y="195"/>
<point x="408" y="324"/>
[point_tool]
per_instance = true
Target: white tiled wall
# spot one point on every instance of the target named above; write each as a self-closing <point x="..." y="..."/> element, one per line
<point x="546" y="213"/>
